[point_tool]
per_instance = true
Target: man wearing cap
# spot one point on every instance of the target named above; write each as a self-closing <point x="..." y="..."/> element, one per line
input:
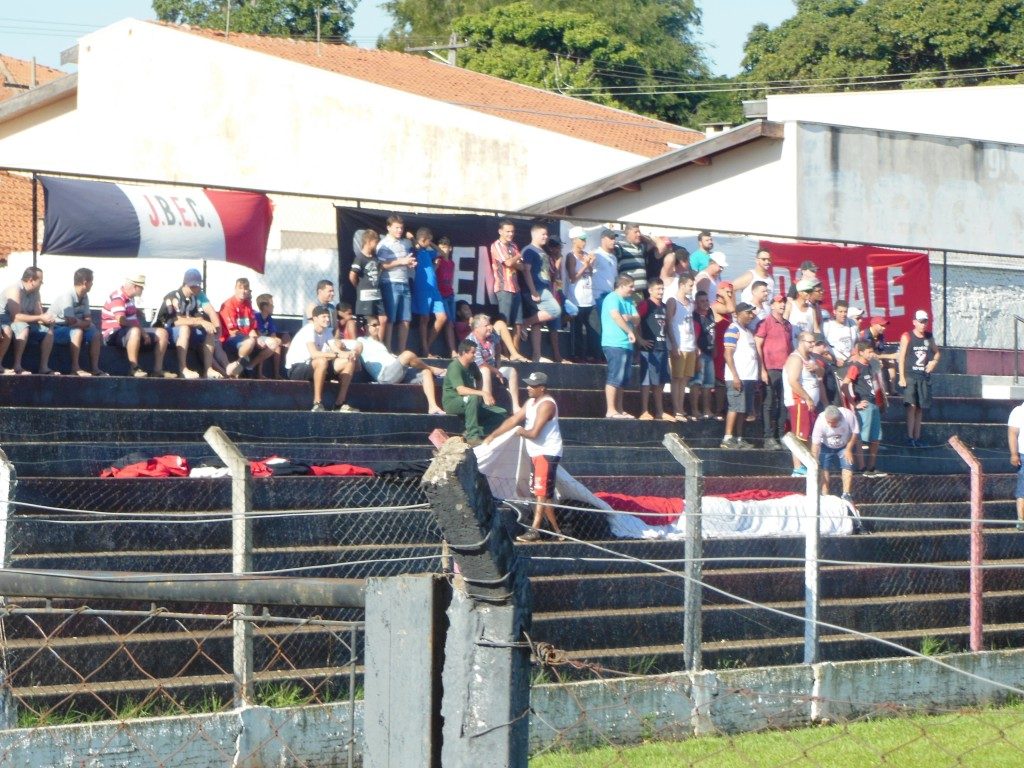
<point x="701" y="257"/>
<point x="808" y="271"/>
<point x="762" y="271"/>
<point x="707" y="279"/>
<point x="606" y="265"/>
<point x="27" y="318"/>
<point x="918" y="357"/>
<point x="774" y="340"/>
<point x="841" y="332"/>
<point x="462" y="395"/>
<point x="314" y="354"/>
<point x="800" y="311"/>
<point x="860" y="385"/>
<point x="741" y="375"/>
<point x="192" y="321"/>
<point x="884" y="360"/>
<point x="543" y="439"/>
<point x="122" y="327"/>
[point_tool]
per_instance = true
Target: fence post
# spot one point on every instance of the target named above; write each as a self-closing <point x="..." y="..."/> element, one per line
<point x="486" y="675"/>
<point x="693" y="553"/>
<point x="241" y="554"/>
<point x="812" y="545"/>
<point x="8" y="482"/>
<point x="977" y="540"/>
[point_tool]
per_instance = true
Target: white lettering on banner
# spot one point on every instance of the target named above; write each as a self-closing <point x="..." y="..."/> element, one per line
<point x="783" y="279"/>
<point x="461" y="253"/>
<point x="176" y="223"/>
<point x="850" y="284"/>
<point x="895" y="284"/>
<point x="484" y="294"/>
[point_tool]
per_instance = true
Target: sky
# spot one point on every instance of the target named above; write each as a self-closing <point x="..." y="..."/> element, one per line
<point x="45" y="28"/>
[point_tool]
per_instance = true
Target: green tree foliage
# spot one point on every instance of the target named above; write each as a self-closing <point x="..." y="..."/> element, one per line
<point x="839" y="43"/>
<point x="291" y="18"/>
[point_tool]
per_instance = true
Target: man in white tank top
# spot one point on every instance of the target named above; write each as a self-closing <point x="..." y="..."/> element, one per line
<point x="543" y="439"/>
<point x="801" y="390"/>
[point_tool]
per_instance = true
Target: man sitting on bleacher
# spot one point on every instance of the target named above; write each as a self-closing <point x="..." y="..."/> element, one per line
<point x="191" y="321"/>
<point x="313" y="354"/>
<point x="386" y="368"/>
<point x="28" y="320"/>
<point x="238" y="331"/>
<point x="74" y="324"/>
<point x="122" y="327"/>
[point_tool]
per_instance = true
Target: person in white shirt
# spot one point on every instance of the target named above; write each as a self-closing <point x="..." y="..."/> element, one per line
<point x="841" y="332"/>
<point x="834" y="440"/>
<point x="386" y="368"/>
<point x="313" y="354"/>
<point x="1015" y="426"/>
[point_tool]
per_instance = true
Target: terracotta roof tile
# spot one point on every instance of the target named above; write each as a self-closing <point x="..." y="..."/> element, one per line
<point x="484" y="93"/>
<point x="16" y="214"/>
<point x="21" y="71"/>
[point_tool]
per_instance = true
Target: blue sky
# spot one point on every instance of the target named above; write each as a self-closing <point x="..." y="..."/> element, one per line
<point x="44" y="29"/>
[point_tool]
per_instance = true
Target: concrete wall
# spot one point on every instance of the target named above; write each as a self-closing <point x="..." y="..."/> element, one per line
<point x="748" y="189"/>
<point x="985" y="112"/>
<point x="874" y="186"/>
<point x="158" y="103"/>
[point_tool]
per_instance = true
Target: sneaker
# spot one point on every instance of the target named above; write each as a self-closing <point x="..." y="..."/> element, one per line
<point x="743" y="444"/>
<point x="912" y="443"/>
<point x="868" y="473"/>
<point x="879" y="473"/>
<point x="318" y="408"/>
<point x="727" y="442"/>
<point x="771" y="444"/>
<point x="1020" y="526"/>
<point x="234" y="370"/>
<point x="799" y="472"/>
<point x="168" y="374"/>
<point x="138" y="373"/>
<point x="346" y="408"/>
<point x="529" y="536"/>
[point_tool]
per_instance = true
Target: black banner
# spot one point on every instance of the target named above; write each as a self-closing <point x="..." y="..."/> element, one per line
<point x="471" y="236"/>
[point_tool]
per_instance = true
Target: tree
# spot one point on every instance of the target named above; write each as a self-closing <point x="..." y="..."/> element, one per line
<point x="846" y="44"/>
<point x="291" y="18"/>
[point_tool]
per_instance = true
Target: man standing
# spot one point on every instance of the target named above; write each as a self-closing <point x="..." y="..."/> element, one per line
<point x="461" y="395"/>
<point x="313" y="354"/>
<point x="121" y="327"/>
<point x="762" y="271"/>
<point x="543" y="438"/>
<point x="618" y="321"/>
<point x="701" y="257"/>
<point x="632" y="259"/>
<point x="741" y="375"/>
<point x="800" y="311"/>
<point x="918" y="357"/>
<point x="841" y="333"/>
<point x="606" y="266"/>
<point x="386" y="368"/>
<point x="801" y="388"/>
<point x="808" y="271"/>
<point x="707" y="279"/>
<point x="192" y="322"/>
<point x="74" y="324"/>
<point x="834" y="442"/>
<point x="394" y="252"/>
<point x="654" y="345"/>
<point x="539" y="303"/>
<point x="774" y="340"/>
<point x="28" y="320"/>
<point x="859" y="387"/>
<point x="1014" y="429"/>
<point x="506" y="264"/>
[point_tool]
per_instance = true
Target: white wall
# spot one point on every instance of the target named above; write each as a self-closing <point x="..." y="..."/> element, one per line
<point x="991" y="112"/>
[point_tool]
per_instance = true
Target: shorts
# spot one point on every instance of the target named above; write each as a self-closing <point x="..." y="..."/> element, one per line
<point x="653" y="367"/>
<point x="870" y="420"/>
<point x="427" y="301"/>
<point x="801" y="420"/>
<point x="62" y="334"/>
<point x="36" y="332"/>
<point x="1019" y="494"/>
<point x="743" y="400"/>
<point x="619" y="364"/>
<point x="704" y="375"/>
<point x="374" y="308"/>
<point x="542" y="477"/>
<point x="300" y="372"/>
<point x="683" y="365"/>
<point x="449" y="306"/>
<point x="119" y="337"/>
<point x="397" y="301"/>
<point x="196" y="339"/>
<point x="232" y="343"/>
<point x="918" y="392"/>
<point x="396" y="373"/>
<point x="833" y="460"/>
<point x="549" y="304"/>
<point x="511" y="306"/>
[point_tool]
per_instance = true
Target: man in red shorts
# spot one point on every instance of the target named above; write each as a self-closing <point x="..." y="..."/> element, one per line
<point x="801" y="389"/>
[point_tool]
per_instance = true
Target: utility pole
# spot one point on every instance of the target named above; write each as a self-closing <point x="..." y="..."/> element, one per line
<point x="452" y="47"/>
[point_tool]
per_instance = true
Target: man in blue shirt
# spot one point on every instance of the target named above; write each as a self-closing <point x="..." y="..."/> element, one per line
<point x="618" y="321"/>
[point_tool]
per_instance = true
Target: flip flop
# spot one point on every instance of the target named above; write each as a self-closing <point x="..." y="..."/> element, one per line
<point x="646" y="417"/>
<point x="100" y="373"/>
<point x="438" y="412"/>
<point x="46" y="373"/>
<point x="80" y="372"/>
<point x="668" y="417"/>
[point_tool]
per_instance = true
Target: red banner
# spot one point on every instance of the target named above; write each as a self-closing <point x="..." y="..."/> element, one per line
<point x="893" y="284"/>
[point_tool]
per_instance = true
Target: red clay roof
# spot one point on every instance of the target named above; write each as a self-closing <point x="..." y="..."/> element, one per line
<point x="16" y="214"/>
<point x="22" y="75"/>
<point x="484" y="93"/>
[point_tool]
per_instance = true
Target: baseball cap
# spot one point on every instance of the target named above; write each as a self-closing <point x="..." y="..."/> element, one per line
<point x="192" y="277"/>
<point x="719" y="258"/>
<point x="321" y="309"/>
<point x="809" y="265"/>
<point x="536" y="379"/>
<point x="725" y="284"/>
<point x="855" y="312"/>
<point x="878" y="320"/>
<point x="781" y="297"/>
<point x="578" y="233"/>
<point x="609" y="233"/>
<point x="921" y="315"/>
<point x="139" y="279"/>
<point x="744" y="307"/>
<point x="806" y="286"/>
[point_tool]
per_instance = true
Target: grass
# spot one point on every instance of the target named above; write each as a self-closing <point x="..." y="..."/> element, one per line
<point x="986" y="738"/>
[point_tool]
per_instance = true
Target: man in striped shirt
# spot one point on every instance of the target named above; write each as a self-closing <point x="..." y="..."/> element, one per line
<point x="122" y="327"/>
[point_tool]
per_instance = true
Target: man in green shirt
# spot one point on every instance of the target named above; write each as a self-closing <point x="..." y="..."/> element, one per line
<point x="462" y="396"/>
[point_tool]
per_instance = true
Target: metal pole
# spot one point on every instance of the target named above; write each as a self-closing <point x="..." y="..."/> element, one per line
<point x="352" y="698"/>
<point x="35" y="220"/>
<point x="8" y="481"/>
<point x="694" y="550"/>
<point x="945" y="297"/>
<point x="812" y="545"/>
<point x="241" y="554"/>
<point x="977" y="586"/>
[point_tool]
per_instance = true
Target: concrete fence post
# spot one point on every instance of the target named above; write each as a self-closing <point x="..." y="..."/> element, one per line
<point x="812" y="546"/>
<point x="241" y="555"/>
<point x="486" y="675"/>
<point x="8" y="482"/>
<point x="977" y="582"/>
<point x="693" y="468"/>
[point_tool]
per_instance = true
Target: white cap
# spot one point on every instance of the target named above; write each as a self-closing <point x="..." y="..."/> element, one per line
<point x="577" y="233"/>
<point x="855" y="312"/>
<point x="719" y="258"/>
<point x="921" y="315"/>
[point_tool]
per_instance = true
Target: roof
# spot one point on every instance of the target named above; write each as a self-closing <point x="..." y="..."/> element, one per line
<point x="419" y="75"/>
<point x="15" y="214"/>
<point x="698" y="153"/>
<point x="16" y="76"/>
